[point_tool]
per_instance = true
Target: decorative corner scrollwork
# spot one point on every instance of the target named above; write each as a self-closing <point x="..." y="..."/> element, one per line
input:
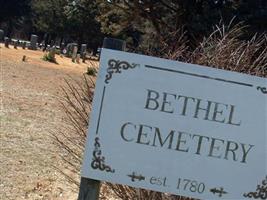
<point x="262" y="89"/>
<point x="261" y="192"/>
<point x="98" y="161"/>
<point x="116" y="66"/>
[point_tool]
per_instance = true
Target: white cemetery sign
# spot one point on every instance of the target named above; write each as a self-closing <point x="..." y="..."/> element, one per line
<point x="178" y="128"/>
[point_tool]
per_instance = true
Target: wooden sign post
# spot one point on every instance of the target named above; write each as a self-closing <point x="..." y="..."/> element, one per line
<point x="89" y="188"/>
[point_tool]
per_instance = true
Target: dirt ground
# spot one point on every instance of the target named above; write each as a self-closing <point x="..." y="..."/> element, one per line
<point x="29" y="110"/>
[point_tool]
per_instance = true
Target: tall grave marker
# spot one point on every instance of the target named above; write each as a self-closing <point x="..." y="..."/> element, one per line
<point x="83" y="51"/>
<point x="74" y="53"/>
<point x="33" y="42"/>
<point x="6" y="41"/>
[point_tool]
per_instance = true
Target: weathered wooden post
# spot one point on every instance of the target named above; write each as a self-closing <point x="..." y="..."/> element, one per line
<point x="89" y="188"/>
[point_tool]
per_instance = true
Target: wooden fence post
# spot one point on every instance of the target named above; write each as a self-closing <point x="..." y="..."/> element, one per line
<point x="89" y="188"/>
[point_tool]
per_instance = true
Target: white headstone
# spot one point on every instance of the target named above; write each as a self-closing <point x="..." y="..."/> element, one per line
<point x="74" y="53"/>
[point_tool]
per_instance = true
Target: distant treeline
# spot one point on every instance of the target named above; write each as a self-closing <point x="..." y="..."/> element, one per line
<point x="144" y="24"/>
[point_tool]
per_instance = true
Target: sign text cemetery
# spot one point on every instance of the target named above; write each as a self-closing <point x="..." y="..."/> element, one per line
<point x="178" y="128"/>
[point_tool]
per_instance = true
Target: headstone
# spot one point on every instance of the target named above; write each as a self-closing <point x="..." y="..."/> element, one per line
<point x="33" y="44"/>
<point x="78" y="58"/>
<point x="6" y="39"/>
<point x="83" y="48"/>
<point x="24" y="45"/>
<point x="47" y="38"/>
<point x="40" y="45"/>
<point x="52" y="43"/>
<point x="84" y="58"/>
<point x="74" y="53"/>
<point x="69" y="49"/>
<point x="83" y="51"/>
<point x="16" y="43"/>
<point x="1" y="34"/>
<point x="115" y="43"/>
<point x="52" y="53"/>
<point x="62" y="47"/>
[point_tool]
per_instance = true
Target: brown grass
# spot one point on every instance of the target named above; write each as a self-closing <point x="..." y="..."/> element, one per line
<point x="224" y="50"/>
<point x="29" y="110"/>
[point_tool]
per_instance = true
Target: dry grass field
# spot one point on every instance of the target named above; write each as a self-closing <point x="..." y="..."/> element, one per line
<point x="29" y="112"/>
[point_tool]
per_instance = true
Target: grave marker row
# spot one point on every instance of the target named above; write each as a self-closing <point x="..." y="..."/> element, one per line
<point x="7" y="41"/>
<point x="71" y="48"/>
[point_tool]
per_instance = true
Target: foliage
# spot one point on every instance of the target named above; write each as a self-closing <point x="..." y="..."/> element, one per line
<point x="73" y="19"/>
<point x="91" y="71"/>
<point x="76" y="103"/>
<point x="143" y="24"/>
<point x="47" y="15"/>
<point x="13" y="9"/>
<point x="14" y="16"/>
<point x="81" y="22"/>
<point x="50" y="57"/>
<point x="142" y="21"/>
<point x="223" y="49"/>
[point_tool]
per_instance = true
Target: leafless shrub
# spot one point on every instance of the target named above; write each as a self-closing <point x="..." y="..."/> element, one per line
<point x="173" y="46"/>
<point x="222" y="49"/>
<point x="76" y="104"/>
